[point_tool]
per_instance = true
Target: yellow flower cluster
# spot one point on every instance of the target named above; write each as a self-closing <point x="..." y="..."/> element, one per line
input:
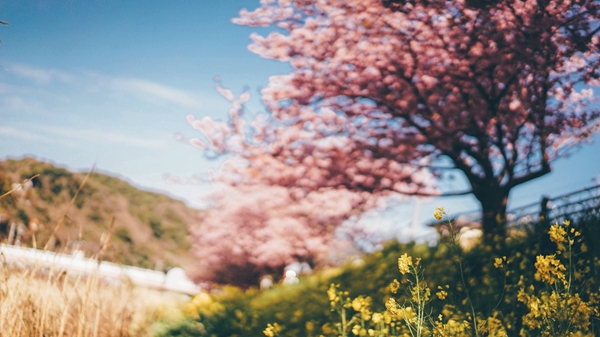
<point x="442" y="294"/>
<point x="557" y="234"/>
<point x="337" y="297"/>
<point x="492" y="326"/>
<point x="559" y="311"/>
<point x="272" y="330"/>
<point x="202" y="305"/>
<point x="394" y="286"/>
<point x="560" y="236"/>
<point x="452" y="328"/>
<point x="559" y="306"/>
<point x="362" y="305"/>
<point x="549" y="269"/>
<point x="499" y="262"/>
<point x="400" y="312"/>
<point x="439" y="213"/>
<point x="379" y="327"/>
<point x="550" y="311"/>
<point x="332" y="294"/>
<point x="404" y="263"/>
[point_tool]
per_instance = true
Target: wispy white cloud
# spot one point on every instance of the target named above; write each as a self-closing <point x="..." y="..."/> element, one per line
<point x="146" y="90"/>
<point x="72" y="138"/>
<point x="39" y="75"/>
<point x="31" y="94"/>
<point x="28" y="104"/>
<point x="22" y="134"/>
<point x="17" y="103"/>
<point x="103" y="137"/>
<point x="152" y="90"/>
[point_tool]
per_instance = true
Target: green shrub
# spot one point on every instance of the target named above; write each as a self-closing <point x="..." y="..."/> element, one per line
<point x="23" y="216"/>
<point x="157" y="228"/>
<point x="123" y="235"/>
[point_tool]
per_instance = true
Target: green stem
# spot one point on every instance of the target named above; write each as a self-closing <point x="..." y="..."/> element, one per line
<point x="474" y="318"/>
<point x="419" y="311"/>
<point x="456" y="249"/>
<point x="343" y="322"/>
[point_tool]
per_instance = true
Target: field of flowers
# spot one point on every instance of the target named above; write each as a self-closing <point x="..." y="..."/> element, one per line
<point x="539" y="281"/>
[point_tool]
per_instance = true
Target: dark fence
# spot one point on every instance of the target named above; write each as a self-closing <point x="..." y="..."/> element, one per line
<point x="570" y="206"/>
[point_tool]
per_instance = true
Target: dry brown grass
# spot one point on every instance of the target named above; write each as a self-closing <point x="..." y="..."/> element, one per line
<point x="40" y="300"/>
<point x="36" y="302"/>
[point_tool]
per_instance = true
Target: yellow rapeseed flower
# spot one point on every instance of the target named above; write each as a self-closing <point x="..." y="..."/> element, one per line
<point x="357" y="304"/>
<point x="404" y="263"/>
<point x="439" y="213"/>
<point x="441" y="294"/>
<point x="550" y="269"/>
<point x="331" y="292"/>
<point x="272" y="330"/>
<point x="557" y="234"/>
<point x="392" y="307"/>
<point x="584" y="248"/>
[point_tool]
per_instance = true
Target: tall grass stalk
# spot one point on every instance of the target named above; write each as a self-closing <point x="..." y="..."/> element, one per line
<point x="48" y="302"/>
<point x="456" y="252"/>
<point x="44" y="300"/>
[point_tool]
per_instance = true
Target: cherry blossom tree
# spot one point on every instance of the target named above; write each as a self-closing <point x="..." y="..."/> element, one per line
<point x="384" y="96"/>
<point x="256" y="230"/>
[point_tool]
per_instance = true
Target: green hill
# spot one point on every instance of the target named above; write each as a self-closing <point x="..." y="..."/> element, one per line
<point x="149" y="229"/>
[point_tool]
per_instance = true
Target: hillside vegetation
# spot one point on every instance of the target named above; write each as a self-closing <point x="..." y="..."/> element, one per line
<point x="150" y="229"/>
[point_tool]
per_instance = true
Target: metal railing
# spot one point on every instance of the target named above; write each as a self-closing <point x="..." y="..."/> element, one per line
<point x="570" y="206"/>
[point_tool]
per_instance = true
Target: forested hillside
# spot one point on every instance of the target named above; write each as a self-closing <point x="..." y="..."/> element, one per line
<point x="150" y="229"/>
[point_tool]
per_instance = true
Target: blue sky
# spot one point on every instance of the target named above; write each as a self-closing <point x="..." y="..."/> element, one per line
<point x="110" y="82"/>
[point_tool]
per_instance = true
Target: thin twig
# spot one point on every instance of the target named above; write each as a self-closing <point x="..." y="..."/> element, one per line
<point x="20" y="185"/>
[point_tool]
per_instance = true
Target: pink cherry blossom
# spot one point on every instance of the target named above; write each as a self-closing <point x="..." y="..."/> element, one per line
<point x="388" y="96"/>
<point x="251" y="231"/>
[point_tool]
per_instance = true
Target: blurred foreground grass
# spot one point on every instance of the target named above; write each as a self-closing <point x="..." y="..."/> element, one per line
<point x="44" y="300"/>
<point x="48" y="302"/>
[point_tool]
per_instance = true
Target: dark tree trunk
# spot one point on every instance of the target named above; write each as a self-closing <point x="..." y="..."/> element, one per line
<point x="493" y="201"/>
